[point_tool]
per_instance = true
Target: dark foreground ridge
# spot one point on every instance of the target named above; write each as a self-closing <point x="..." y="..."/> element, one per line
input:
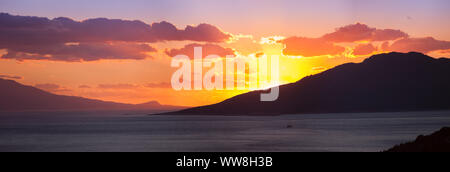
<point x="436" y="142"/>
<point x="391" y="82"/>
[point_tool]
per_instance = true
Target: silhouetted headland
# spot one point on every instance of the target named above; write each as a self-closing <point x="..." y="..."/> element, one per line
<point x="436" y="142"/>
<point x="392" y="82"/>
<point x="18" y="97"/>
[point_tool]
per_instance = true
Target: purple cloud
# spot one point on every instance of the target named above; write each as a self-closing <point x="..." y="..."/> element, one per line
<point x="13" y="77"/>
<point x="51" y="87"/>
<point x="42" y="38"/>
<point x="364" y="49"/>
<point x="362" y="32"/>
<point x="118" y="86"/>
<point x="159" y="85"/>
<point x="326" y="45"/>
<point x="423" y="45"/>
<point x="80" y="52"/>
<point x="207" y="49"/>
<point x="84" y="86"/>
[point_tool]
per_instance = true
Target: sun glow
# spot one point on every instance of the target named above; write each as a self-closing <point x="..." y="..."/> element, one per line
<point x="82" y="64"/>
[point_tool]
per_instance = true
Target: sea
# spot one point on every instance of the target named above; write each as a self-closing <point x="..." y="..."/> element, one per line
<point x="137" y="131"/>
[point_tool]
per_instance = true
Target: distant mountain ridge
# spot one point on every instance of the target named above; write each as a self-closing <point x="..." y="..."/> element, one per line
<point x="382" y="83"/>
<point x="15" y="96"/>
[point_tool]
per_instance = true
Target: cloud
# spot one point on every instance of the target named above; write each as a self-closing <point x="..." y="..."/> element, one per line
<point x="329" y="44"/>
<point x="207" y="49"/>
<point x="80" y="52"/>
<point x="62" y="30"/>
<point x="13" y="77"/>
<point x="51" y="87"/>
<point x="364" y="49"/>
<point x="445" y="51"/>
<point x="84" y="86"/>
<point x="423" y="45"/>
<point x="362" y="32"/>
<point x="159" y="85"/>
<point x="384" y="46"/>
<point x="310" y="47"/>
<point x="245" y="45"/>
<point x="48" y="86"/>
<point x="24" y="36"/>
<point x="205" y="33"/>
<point x="117" y="86"/>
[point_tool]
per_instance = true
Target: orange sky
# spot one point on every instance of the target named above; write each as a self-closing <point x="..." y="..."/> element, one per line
<point x="127" y="80"/>
<point x="147" y="77"/>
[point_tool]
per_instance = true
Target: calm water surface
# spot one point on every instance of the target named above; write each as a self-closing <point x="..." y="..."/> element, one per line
<point x="125" y="131"/>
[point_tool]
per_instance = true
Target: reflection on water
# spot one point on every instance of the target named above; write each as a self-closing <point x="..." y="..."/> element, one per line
<point x="115" y="131"/>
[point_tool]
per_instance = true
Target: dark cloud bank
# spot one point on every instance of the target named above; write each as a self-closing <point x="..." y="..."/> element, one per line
<point x="207" y="49"/>
<point x="63" y="39"/>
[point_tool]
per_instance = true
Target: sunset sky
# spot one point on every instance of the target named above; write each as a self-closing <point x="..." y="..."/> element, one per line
<point x="121" y="51"/>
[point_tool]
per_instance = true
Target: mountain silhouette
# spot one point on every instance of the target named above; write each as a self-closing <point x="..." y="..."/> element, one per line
<point x="15" y="96"/>
<point x="382" y="83"/>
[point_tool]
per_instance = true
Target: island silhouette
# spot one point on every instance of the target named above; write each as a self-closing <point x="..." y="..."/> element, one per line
<point x="382" y="83"/>
<point x="391" y="82"/>
<point x="18" y="97"/>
